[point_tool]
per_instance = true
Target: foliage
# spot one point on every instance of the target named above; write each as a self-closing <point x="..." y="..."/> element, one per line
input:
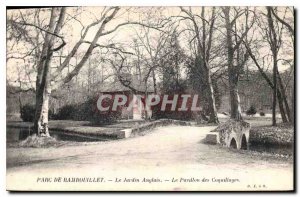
<point x="175" y="87"/>
<point x="173" y="56"/>
<point x="92" y="114"/>
<point x="262" y="113"/>
<point x="251" y="111"/>
<point x="176" y="114"/>
<point x="67" y="112"/>
<point x="87" y="111"/>
<point x="28" y="112"/>
<point x="283" y="134"/>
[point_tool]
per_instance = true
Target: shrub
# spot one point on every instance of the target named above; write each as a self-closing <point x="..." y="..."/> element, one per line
<point x="67" y="112"/>
<point x="87" y="111"/>
<point x="105" y="118"/>
<point x="51" y="114"/>
<point x="169" y="114"/>
<point x="92" y="114"/>
<point x="262" y="113"/>
<point x="28" y="113"/>
<point x="251" y="111"/>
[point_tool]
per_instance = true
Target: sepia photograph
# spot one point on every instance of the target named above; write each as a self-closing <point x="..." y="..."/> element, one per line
<point x="156" y="98"/>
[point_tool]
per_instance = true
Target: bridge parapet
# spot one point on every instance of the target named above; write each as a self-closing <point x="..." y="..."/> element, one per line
<point x="234" y="134"/>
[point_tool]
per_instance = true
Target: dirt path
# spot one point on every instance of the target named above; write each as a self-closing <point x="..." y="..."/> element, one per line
<point x="166" y="153"/>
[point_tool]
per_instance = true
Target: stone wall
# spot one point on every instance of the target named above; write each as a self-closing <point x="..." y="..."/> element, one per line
<point x="233" y="134"/>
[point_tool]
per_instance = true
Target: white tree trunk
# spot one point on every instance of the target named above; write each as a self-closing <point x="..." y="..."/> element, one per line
<point x="213" y="117"/>
<point x="43" y="126"/>
<point x="43" y="88"/>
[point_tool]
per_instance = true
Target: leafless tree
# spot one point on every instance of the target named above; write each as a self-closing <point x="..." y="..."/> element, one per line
<point x="203" y="35"/>
<point x="234" y="49"/>
<point x="272" y="32"/>
<point x="46" y="80"/>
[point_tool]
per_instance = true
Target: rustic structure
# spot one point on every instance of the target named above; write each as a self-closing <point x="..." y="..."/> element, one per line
<point x="234" y="134"/>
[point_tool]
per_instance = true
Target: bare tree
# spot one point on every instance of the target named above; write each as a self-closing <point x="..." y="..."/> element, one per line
<point x="290" y="28"/>
<point x="204" y="40"/>
<point x="273" y="36"/>
<point x="43" y="75"/>
<point x="46" y="80"/>
<point x="153" y="49"/>
<point x="234" y="48"/>
<point x="50" y="50"/>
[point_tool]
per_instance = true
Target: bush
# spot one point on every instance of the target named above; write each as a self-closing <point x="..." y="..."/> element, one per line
<point x="51" y="114"/>
<point x="169" y="114"/>
<point x="105" y="118"/>
<point x="87" y="111"/>
<point x="92" y="114"/>
<point x="28" y="113"/>
<point x="262" y="113"/>
<point x="67" y="112"/>
<point x="251" y="111"/>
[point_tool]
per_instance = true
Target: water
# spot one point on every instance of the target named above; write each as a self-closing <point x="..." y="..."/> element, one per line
<point x="18" y="134"/>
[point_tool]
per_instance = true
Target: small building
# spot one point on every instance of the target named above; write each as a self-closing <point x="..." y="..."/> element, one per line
<point x="137" y="112"/>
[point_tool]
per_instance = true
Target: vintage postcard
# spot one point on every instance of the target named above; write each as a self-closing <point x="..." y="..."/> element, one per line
<point x="150" y="98"/>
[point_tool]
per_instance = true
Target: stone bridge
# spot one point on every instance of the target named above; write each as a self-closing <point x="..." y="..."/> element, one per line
<point x="234" y="134"/>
